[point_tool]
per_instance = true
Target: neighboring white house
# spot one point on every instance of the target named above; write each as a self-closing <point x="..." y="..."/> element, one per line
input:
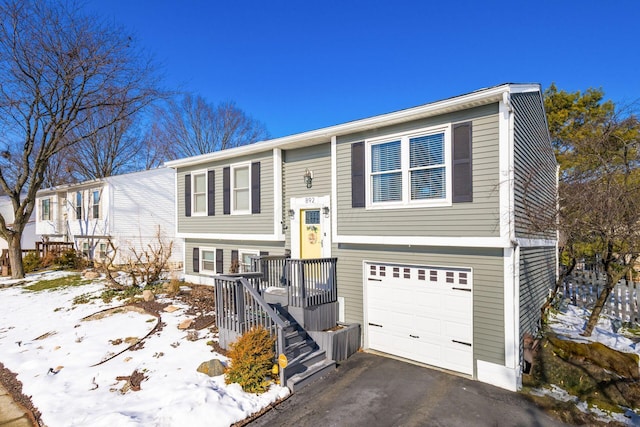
<point x="28" y="240"/>
<point x="132" y="211"/>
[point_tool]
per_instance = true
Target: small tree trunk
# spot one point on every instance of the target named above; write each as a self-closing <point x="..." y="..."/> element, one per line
<point x="15" y="258"/>
<point x="597" y="309"/>
<point x="563" y="275"/>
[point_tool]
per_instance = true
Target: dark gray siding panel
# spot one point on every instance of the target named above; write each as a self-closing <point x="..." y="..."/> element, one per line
<point x="535" y="169"/>
<point x="488" y="286"/>
<point x="479" y="218"/>
<point x="537" y="276"/>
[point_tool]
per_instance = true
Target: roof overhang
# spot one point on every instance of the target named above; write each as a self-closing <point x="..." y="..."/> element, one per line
<point x="323" y="135"/>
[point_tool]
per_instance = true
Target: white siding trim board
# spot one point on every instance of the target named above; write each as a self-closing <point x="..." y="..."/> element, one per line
<point x="277" y="194"/>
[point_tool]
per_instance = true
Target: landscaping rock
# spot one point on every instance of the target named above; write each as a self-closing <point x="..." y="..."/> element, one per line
<point x="592" y="371"/>
<point x="90" y="274"/>
<point x="171" y="308"/>
<point x="213" y="368"/>
<point x="147" y="295"/>
<point x="186" y="324"/>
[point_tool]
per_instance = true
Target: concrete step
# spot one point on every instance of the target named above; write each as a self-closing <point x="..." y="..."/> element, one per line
<point x="311" y="374"/>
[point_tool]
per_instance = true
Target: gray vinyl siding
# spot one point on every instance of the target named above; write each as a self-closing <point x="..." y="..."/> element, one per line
<point x="537" y="276"/>
<point x="316" y="158"/>
<point x="479" y="218"/>
<point x="261" y="223"/>
<point x="488" y="286"/>
<point x="535" y="169"/>
<point x="276" y="248"/>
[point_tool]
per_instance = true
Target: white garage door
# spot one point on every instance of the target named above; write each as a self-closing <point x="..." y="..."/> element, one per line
<point x="421" y="313"/>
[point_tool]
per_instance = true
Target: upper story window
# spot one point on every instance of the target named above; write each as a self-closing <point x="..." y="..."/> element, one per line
<point x="95" y="198"/>
<point x="45" y="209"/>
<point x="241" y="189"/>
<point x="199" y="193"/>
<point x="79" y="205"/>
<point x="409" y="170"/>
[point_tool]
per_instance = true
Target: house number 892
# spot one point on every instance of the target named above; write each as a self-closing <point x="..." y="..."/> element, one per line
<point x="308" y="200"/>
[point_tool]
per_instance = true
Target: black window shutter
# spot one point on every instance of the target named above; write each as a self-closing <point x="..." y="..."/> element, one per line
<point x="226" y="190"/>
<point x="187" y="195"/>
<point x="264" y="253"/>
<point x="211" y="193"/>
<point x="234" y="255"/>
<point x="462" y="170"/>
<point x="196" y="260"/>
<point x="357" y="175"/>
<point x="219" y="261"/>
<point x="255" y="187"/>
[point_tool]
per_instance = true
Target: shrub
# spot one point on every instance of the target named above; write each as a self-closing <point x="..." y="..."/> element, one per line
<point x="31" y="262"/>
<point x="48" y="260"/>
<point x="252" y="357"/>
<point x="69" y="259"/>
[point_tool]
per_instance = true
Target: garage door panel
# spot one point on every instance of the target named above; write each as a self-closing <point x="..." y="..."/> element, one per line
<point x="421" y="313"/>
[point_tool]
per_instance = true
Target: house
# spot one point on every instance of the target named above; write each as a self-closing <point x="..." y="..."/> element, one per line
<point x="28" y="240"/>
<point x="426" y="212"/>
<point x="131" y="211"/>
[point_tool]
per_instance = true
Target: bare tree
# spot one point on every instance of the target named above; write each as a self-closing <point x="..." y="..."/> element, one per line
<point x="193" y="126"/>
<point x="110" y="151"/>
<point x="58" y="68"/>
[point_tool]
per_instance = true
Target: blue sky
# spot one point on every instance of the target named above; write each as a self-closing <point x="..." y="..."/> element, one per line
<point x="303" y="65"/>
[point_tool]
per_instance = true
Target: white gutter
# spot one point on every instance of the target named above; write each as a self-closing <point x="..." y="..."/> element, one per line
<point x="480" y="97"/>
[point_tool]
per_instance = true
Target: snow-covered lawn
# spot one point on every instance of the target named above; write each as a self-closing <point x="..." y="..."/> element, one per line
<point x="56" y="354"/>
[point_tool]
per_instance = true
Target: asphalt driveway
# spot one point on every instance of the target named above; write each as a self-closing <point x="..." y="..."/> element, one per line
<point x="371" y="390"/>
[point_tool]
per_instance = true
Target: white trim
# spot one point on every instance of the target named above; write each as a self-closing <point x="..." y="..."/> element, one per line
<point x="334" y="188"/>
<point x="465" y="242"/>
<point x="511" y="304"/>
<point x="216" y="236"/>
<point x="405" y="170"/>
<point x="175" y="211"/>
<point x="536" y="243"/>
<point x="232" y="188"/>
<point x="277" y="194"/>
<point x="505" y="170"/>
<point x="497" y="375"/>
<point x="469" y="100"/>
<point x="312" y="202"/>
<point x="193" y="192"/>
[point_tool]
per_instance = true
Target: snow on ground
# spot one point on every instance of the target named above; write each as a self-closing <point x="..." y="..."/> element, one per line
<point x="54" y="352"/>
<point x="569" y="322"/>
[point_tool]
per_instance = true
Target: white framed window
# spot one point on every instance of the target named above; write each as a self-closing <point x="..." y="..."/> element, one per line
<point x="199" y="193"/>
<point x="241" y="188"/>
<point x="244" y="259"/>
<point x="95" y="204"/>
<point x="85" y="249"/>
<point x="45" y="209"/>
<point x="410" y="169"/>
<point x="103" y="251"/>
<point x="208" y="260"/>
<point x="78" y="206"/>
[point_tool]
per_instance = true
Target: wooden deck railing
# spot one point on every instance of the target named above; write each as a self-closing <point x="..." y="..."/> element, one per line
<point x="240" y="308"/>
<point x="309" y="282"/>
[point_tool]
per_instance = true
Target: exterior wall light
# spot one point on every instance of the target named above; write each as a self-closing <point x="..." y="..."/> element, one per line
<point x="292" y="214"/>
<point x="325" y="211"/>
<point x="308" y="178"/>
